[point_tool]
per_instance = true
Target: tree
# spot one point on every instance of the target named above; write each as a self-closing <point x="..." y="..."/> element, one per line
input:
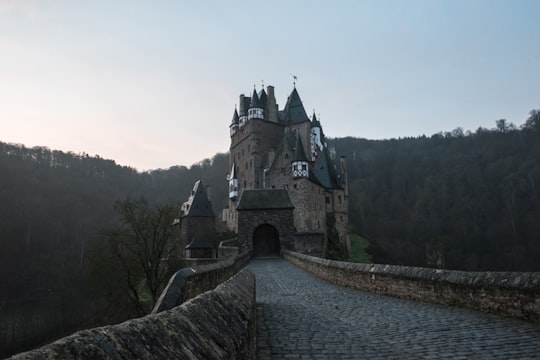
<point x="504" y="126"/>
<point x="533" y="122"/>
<point x="144" y="248"/>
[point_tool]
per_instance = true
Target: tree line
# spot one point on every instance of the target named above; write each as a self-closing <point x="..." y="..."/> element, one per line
<point x="458" y="200"/>
<point x="55" y="210"/>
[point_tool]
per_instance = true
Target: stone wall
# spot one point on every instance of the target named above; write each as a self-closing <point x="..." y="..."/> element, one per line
<point x="190" y="282"/>
<point x="311" y="243"/>
<point x="309" y="205"/>
<point x="218" y="324"/>
<point x="505" y="293"/>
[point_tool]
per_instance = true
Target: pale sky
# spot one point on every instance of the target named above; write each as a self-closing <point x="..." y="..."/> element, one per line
<point x="152" y="84"/>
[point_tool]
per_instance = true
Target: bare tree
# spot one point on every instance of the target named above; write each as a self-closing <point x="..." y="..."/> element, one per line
<point x="145" y="248"/>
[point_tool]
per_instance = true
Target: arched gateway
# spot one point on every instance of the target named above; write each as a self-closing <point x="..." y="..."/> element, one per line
<point x="265" y="221"/>
<point x="266" y="241"/>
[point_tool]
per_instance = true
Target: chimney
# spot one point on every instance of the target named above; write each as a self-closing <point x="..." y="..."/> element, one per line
<point x="271" y="106"/>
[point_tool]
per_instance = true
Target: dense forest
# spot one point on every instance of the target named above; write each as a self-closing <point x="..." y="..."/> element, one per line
<point x="460" y="200"/>
<point x="54" y="206"/>
<point x="457" y="200"/>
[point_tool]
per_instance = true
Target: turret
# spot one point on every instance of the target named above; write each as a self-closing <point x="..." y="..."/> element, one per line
<point x="234" y="123"/>
<point x="233" y="183"/>
<point x="255" y="110"/>
<point x="316" y="138"/>
<point x="243" y="110"/>
<point x="299" y="163"/>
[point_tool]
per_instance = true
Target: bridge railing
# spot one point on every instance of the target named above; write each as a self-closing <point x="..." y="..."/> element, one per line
<point x="505" y="293"/>
<point x="206" y="312"/>
<point x="218" y="324"/>
<point x="190" y="282"/>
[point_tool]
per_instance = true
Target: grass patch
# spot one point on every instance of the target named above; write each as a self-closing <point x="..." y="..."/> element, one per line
<point x="359" y="247"/>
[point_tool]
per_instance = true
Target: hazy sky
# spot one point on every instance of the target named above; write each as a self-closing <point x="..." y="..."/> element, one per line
<point x="152" y="84"/>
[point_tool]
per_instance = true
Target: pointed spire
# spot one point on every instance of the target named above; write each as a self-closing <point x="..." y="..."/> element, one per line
<point x="314" y="121"/>
<point x="198" y="203"/>
<point x="294" y="109"/>
<point x="299" y="153"/>
<point x="255" y="100"/>
<point x="235" y="118"/>
<point x="262" y="98"/>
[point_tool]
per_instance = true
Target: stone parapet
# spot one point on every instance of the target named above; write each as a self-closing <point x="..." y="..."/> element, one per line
<point x="187" y="283"/>
<point x="218" y="324"/>
<point x="506" y="293"/>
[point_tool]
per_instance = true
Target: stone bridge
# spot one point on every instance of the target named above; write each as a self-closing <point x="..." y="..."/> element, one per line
<point x="300" y="316"/>
<point x="295" y="315"/>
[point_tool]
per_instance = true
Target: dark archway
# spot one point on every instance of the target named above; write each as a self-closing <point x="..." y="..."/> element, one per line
<point x="266" y="241"/>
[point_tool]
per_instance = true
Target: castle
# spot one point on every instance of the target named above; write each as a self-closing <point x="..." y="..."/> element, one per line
<point x="282" y="169"/>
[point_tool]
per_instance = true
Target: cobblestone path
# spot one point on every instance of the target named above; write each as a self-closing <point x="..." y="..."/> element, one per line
<point x="302" y="317"/>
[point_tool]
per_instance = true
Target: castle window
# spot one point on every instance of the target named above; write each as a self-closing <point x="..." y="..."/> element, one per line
<point x="246" y="165"/>
<point x="341" y="218"/>
<point x="339" y="199"/>
<point x="286" y="156"/>
<point x="294" y="186"/>
<point x="251" y="164"/>
<point x="328" y="200"/>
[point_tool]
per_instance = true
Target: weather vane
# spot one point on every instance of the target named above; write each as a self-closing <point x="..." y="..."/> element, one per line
<point x="294" y="82"/>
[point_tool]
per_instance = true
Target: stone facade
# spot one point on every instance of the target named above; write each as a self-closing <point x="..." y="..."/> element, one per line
<point x="272" y="208"/>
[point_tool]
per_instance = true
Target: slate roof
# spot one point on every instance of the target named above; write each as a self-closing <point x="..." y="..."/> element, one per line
<point x="263" y="99"/>
<point x="255" y="100"/>
<point x="264" y="199"/>
<point x="235" y="119"/>
<point x="315" y="122"/>
<point x="294" y="109"/>
<point x="198" y="203"/>
<point x="286" y="145"/>
<point x="325" y="172"/>
<point x="299" y="153"/>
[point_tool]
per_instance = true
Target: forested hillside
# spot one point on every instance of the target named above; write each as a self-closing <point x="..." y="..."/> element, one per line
<point x="53" y="207"/>
<point x="462" y="201"/>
